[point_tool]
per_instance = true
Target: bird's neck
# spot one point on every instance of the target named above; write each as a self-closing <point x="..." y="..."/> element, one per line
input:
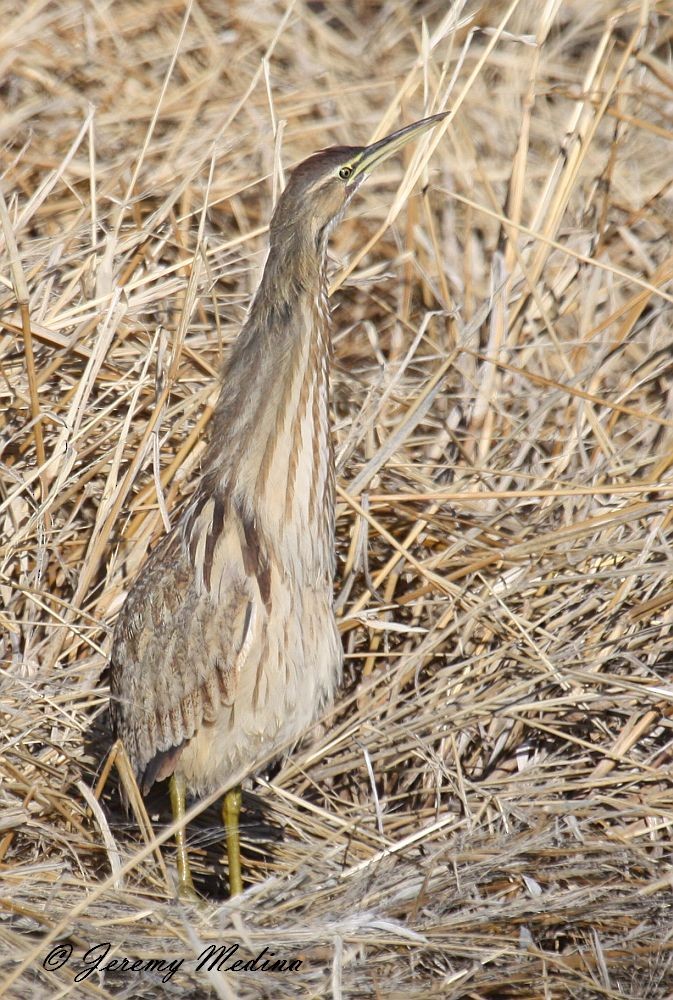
<point x="270" y="446"/>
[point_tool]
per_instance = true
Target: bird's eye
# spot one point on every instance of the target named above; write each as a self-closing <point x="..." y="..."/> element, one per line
<point x="345" y="173"/>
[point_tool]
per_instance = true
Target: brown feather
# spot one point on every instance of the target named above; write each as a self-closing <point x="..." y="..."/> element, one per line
<point x="227" y="644"/>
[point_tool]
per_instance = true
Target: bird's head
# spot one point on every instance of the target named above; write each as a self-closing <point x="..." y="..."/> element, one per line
<point x="320" y="187"/>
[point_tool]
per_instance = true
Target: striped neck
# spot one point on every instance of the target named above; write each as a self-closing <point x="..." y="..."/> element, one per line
<point x="270" y="448"/>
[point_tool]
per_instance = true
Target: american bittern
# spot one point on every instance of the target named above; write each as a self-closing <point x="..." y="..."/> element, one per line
<point x="227" y="646"/>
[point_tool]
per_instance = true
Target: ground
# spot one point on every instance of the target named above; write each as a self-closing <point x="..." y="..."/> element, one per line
<point x="486" y="810"/>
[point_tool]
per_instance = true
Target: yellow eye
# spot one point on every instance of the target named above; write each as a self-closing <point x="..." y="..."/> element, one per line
<point x="345" y="173"/>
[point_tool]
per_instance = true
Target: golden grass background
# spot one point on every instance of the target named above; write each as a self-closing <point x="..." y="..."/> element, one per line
<point x="487" y="812"/>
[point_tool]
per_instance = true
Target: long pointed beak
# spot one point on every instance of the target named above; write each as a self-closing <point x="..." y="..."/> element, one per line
<point x="372" y="155"/>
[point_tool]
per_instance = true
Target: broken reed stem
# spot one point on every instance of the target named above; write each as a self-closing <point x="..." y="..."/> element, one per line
<point x="23" y="300"/>
<point x="492" y="782"/>
<point x="32" y="383"/>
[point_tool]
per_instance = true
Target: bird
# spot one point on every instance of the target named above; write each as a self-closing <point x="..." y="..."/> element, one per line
<point x="227" y="648"/>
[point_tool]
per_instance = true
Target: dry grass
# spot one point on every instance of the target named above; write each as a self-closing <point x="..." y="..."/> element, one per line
<point x="488" y="811"/>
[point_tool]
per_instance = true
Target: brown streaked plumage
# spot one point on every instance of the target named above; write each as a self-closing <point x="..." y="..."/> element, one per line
<point x="227" y="645"/>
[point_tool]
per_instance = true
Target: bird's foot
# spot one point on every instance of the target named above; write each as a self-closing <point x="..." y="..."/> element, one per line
<point x="186" y="892"/>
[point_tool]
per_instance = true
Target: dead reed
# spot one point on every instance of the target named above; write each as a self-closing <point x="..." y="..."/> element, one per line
<point x="488" y="811"/>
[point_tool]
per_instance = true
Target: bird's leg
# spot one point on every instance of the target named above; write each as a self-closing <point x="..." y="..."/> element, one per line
<point x="177" y="790"/>
<point x="231" y="809"/>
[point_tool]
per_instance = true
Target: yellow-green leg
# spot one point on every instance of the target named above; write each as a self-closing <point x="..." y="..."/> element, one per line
<point x="230" y="812"/>
<point x="177" y="789"/>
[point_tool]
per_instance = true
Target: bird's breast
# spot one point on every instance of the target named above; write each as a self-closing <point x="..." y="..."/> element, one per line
<point x="293" y="489"/>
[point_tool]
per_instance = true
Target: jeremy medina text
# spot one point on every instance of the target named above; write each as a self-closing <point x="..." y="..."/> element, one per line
<point x="101" y="958"/>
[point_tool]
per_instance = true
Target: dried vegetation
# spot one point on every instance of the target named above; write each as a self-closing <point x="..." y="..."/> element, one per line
<point x="488" y="811"/>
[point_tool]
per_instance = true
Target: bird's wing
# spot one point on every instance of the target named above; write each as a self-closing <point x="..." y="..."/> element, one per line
<point x="181" y="634"/>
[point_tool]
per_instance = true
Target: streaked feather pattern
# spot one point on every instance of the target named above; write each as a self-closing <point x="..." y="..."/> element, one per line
<point x="227" y="645"/>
